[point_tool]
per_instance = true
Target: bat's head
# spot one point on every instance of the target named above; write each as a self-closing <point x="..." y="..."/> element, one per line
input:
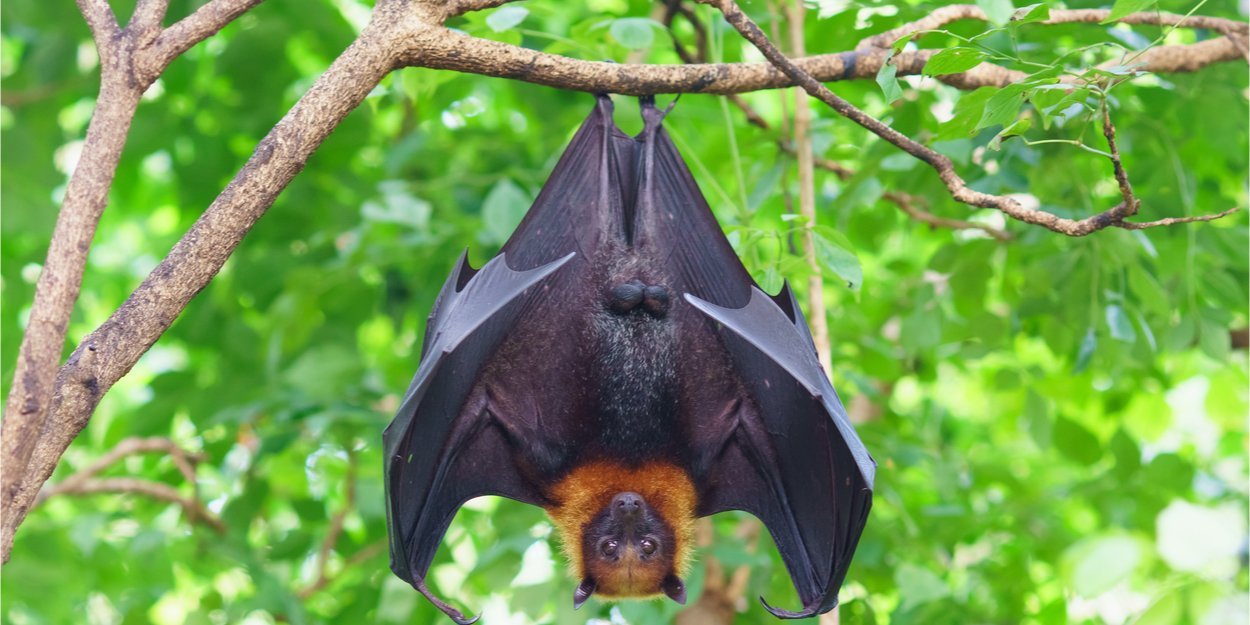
<point x="628" y="530"/>
<point x="629" y="550"/>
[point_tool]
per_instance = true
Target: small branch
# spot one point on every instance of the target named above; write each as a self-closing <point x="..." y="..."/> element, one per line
<point x="1130" y="203"/>
<point x="194" y="510"/>
<point x="336" y="529"/>
<point x="942" y="16"/>
<point x="149" y="14"/>
<point x="911" y="204"/>
<point x="908" y="203"/>
<point x="198" y="26"/>
<point x="940" y="163"/>
<point x="100" y="19"/>
<point x="85" y="482"/>
<point x="1170" y="221"/>
<point x="795" y="11"/>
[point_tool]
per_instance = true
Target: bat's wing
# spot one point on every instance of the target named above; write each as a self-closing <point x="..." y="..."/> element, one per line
<point x="791" y="457"/>
<point x="583" y="201"/>
<point x="439" y="449"/>
<point x="487" y="375"/>
<point x="674" y="221"/>
<point x="770" y="435"/>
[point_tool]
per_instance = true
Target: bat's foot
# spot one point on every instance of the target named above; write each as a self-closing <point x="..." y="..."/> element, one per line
<point x="456" y="615"/>
<point x="634" y="295"/>
<point x="807" y="612"/>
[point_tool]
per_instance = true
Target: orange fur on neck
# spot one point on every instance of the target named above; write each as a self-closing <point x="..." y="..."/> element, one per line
<point x="588" y="489"/>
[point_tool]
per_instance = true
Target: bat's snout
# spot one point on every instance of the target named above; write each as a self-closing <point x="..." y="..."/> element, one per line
<point x="627" y="506"/>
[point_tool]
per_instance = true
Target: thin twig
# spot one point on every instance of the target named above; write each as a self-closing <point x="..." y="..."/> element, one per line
<point x="336" y="529"/>
<point x="1170" y="221"/>
<point x="85" y="482"/>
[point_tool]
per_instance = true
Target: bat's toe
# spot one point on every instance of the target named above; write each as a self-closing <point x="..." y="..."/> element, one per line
<point x="807" y="612"/>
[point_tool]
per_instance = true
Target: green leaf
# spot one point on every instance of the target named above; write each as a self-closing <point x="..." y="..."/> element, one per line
<point x="998" y="11"/>
<point x="1126" y="452"/>
<point x="953" y="61"/>
<point x="506" y="17"/>
<point x="634" y="33"/>
<point x="839" y="260"/>
<point x="1076" y="442"/>
<point x="1099" y="564"/>
<point x="918" y="585"/>
<point x="1003" y="107"/>
<point x="1124" y="7"/>
<point x="902" y="42"/>
<point x="1150" y="295"/>
<point x="1168" y="609"/>
<point x="1019" y="127"/>
<point x="502" y="210"/>
<point x="1088" y="344"/>
<point x="1037" y="419"/>
<point x="1119" y="324"/>
<point x="1039" y="12"/>
<point x="889" y="83"/>
<point x="921" y="329"/>
<point x="1214" y="339"/>
<point x="968" y="111"/>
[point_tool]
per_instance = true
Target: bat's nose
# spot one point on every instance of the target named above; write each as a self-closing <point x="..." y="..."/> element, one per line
<point x="627" y="504"/>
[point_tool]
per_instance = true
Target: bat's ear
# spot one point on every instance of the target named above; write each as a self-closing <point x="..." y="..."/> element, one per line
<point x="583" y="592"/>
<point x="675" y="588"/>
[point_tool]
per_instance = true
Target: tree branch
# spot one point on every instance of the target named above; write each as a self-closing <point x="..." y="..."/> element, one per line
<point x="85" y="482"/>
<point x="198" y="26"/>
<point x="332" y="535"/>
<point x="953" y="13"/>
<point x="37" y="430"/>
<point x="100" y="19"/>
<point x="958" y="189"/>
<point x="194" y="510"/>
<point x="439" y="48"/>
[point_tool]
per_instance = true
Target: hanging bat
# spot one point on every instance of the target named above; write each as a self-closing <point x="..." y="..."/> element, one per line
<point x="616" y="365"/>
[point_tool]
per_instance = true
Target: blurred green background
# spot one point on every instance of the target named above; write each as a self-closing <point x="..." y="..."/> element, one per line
<point x="1060" y="423"/>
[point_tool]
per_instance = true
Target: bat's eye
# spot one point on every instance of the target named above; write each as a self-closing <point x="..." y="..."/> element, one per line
<point x="609" y="548"/>
<point x="647" y="545"/>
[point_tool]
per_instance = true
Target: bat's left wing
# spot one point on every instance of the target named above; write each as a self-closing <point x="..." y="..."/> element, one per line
<point x="790" y="456"/>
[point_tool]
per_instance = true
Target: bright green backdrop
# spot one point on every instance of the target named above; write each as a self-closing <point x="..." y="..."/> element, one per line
<point x="1060" y="423"/>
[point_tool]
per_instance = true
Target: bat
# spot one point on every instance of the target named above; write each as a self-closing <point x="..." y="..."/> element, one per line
<point x="616" y="365"/>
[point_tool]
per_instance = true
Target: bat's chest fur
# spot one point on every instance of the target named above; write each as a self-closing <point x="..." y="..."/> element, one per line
<point x="635" y="377"/>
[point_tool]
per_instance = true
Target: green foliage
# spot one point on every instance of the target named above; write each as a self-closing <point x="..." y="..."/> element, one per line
<point x="1059" y="423"/>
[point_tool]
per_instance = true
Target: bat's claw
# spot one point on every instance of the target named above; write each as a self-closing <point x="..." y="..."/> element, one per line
<point x="454" y="614"/>
<point x="806" y="612"/>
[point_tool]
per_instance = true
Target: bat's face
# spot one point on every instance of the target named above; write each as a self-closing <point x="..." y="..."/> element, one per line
<point x="629" y="551"/>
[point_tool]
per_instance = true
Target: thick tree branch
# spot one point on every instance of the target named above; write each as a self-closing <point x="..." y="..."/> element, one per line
<point x="36" y="431"/>
<point x="439" y="48"/>
<point x="940" y="163"/>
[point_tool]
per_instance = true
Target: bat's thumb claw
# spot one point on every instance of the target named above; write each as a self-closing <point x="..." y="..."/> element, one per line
<point x="807" y="612"/>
